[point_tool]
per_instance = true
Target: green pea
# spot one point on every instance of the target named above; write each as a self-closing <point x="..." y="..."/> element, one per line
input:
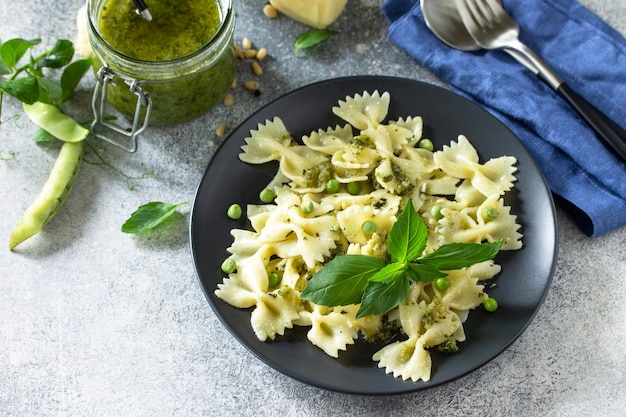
<point x="234" y="211"/>
<point x="50" y="118"/>
<point x="426" y="144"/>
<point x="229" y="265"/>
<point x="307" y="207"/>
<point x="435" y="211"/>
<point x="442" y="283"/>
<point x="490" y="304"/>
<point x="52" y="195"/>
<point x="368" y="228"/>
<point x="353" y="188"/>
<point x="489" y="213"/>
<point x="332" y="186"/>
<point x="272" y="279"/>
<point x="267" y="195"/>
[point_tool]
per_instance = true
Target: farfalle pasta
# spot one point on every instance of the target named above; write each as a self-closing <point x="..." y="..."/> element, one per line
<point x="379" y="167"/>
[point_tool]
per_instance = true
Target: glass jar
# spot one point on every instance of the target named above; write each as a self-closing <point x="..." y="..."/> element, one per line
<point x="172" y="82"/>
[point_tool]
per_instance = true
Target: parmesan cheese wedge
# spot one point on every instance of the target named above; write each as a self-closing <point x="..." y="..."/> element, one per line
<point x="315" y="13"/>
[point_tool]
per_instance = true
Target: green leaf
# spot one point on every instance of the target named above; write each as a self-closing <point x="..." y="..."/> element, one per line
<point x="49" y="92"/>
<point x="423" y="273"/>
<point x="42" y="136"/>
<point x="408" y="235"/>
<point x="460" y="255"/>
<point x="71" y="76"/>
<point x="380" y="297"/>
<point x="149" y="216"/>
<point x="311" y="38"/>
<point x="58" y="56"/>
<point x="13" y="50"/>
<point x="342" y="280"/>
<point x="389" y="272"/>
<point x="4" y="70"/>
<point x="25" y="89"/>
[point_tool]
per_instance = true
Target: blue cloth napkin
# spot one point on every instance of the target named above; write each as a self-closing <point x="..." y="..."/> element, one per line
<point x="588" y="55"/>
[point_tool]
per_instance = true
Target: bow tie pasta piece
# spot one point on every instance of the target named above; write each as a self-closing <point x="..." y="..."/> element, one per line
<point x="330" y="140"/>
<point x="464" y="293"/>
<point x="332" y="329"/>
<point x="399" y="136"/>
<point x="376" y="247"/>
<point x="415" y="125"/>
<point x="439" y="183"/>
<point x="460" y="160"/>
<point x="470" y="225"/>
<point x="421" y="158"/>
<point x="274" y="313"/>
<point x="391" y="177"/>
<point x="272" y="142"/>
<point x="351" y="219"/>
<point x="363" y="111"/>
<point x="243" y="287"/>
<point x="426" y="325"/>
<point x="296" y="163"/>
<point x="292" y="233"/>
<point x="379" y="199"/>
<point x="266" y="143"/>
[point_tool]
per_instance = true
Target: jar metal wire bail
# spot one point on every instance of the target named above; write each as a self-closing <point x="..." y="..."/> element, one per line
<point x="117" y="135"/>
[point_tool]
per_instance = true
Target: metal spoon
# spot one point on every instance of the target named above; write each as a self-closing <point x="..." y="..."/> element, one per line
<point x="444" y="19"/>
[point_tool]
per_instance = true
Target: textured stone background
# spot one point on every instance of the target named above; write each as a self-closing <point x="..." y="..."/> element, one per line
<point x="94" y="322"/>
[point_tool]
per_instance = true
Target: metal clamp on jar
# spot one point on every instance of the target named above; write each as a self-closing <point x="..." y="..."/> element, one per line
<point x="168" y="70"/>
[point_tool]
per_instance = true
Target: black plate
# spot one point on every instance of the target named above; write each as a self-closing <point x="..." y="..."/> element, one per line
<point x="521" y="287"/>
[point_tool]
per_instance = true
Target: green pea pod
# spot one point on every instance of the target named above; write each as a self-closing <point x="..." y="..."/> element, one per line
<point x="50" y="118"/>
<point x="52" y="195"/>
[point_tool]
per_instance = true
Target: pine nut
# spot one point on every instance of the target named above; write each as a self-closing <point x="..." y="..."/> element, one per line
<point x="270" y="11"/>
<point x="221" y="129"/>
<point x="246" y="43"/>
<point x="251" y="85"/>
<point x="256" y="68"/>
<point x="228" y="100"/>
<point x="261" y="54"/>
<point x="250" y="53"/>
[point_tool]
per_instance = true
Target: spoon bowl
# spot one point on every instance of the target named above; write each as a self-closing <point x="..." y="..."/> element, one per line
<point x="444" y="19"/>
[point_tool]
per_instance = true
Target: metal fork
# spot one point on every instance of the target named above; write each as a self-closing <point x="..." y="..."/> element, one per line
<point x="492" y="28"/>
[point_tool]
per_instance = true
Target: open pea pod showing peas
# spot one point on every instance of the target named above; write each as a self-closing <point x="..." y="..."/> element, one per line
<point x="50" y="118"/>
<point x="52" y="195"/>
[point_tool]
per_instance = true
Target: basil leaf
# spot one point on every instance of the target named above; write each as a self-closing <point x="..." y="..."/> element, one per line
<point x="13" y="50"/>
<point x="342" y="280"/>
<point x="423" y="273"/>
<point x="380" y="297"/>
<point x="408" y="235"/>
<point x="25" y="89"/>
<point x="389" y="272"/>
<point x="311" y="38"/>
<point x="71" y="76"/>
<point x="461" y="255"/>
<point x="59" y="55"/>
<point x="149" y="216"/>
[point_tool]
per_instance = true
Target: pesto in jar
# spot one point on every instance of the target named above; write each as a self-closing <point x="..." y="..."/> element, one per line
<point x="183" y="58"/>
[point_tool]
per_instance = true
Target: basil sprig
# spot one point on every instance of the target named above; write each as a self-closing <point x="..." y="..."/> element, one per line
<point x="311" y="38"/>
<point x="149" y="216"/>
<point x="380" y="287"/>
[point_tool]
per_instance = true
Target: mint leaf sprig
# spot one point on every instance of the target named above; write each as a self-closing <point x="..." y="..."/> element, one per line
<point x="379" y="286"/>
